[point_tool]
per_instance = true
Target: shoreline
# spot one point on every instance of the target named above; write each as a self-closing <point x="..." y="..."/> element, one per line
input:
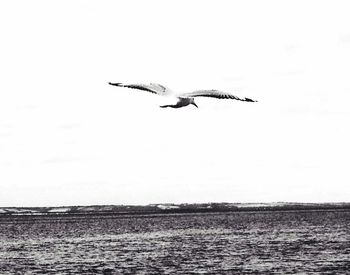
<point x="162" y="209"/>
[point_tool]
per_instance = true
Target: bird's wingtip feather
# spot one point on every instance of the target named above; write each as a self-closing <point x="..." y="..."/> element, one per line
<point x="114" y="84"/>
<point x="250" y="100"/>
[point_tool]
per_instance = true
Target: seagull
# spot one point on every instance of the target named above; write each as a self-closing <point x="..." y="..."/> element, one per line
<point x="183" y="99"/>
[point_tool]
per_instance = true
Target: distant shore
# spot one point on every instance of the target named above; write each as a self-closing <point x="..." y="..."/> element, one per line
<point x="165" y="208"/>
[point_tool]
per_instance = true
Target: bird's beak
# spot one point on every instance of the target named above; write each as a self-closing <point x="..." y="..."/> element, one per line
<point x="195" y="104"/>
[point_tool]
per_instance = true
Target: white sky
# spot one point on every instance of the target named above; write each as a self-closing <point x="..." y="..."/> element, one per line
<point x="68" y="138"/>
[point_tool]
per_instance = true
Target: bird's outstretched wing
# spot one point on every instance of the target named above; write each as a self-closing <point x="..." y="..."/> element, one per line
<point x="216" y="94"/>
<point x="152" y="87"/>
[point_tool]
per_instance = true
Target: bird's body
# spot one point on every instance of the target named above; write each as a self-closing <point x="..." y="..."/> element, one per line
<point x="181" y="102"/>
<point x="183" y="99"/>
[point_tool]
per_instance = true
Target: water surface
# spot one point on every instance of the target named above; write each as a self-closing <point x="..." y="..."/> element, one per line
<point x="299" y="242"/>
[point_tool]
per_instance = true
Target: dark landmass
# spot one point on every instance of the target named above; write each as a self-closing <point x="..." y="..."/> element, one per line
<point x="166" y="209"/>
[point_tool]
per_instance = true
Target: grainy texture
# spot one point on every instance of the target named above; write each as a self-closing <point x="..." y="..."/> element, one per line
<point x="304" y="242"/>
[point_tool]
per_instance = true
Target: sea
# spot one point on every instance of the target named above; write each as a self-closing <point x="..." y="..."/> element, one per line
<point x="249" y="242"/>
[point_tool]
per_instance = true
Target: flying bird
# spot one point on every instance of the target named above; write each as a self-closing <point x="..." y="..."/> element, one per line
<point x="183" y="99"/>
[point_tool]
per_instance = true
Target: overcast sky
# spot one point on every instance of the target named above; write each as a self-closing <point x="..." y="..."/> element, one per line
<point x="68" y="138"/>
